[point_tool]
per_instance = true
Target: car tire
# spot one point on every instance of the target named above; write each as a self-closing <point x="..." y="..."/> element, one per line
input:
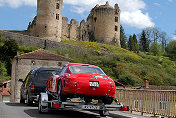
<point x="28" y="101"/>
<point x="108" y="100"/>
<point x="59" y="92"/>
<point x="22" y="100"/>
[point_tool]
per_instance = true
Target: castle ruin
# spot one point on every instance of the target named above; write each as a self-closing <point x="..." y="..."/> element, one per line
<point x="102" y="25"/>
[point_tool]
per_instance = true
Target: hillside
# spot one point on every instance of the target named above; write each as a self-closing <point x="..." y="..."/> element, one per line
<point x="127" y="67"/>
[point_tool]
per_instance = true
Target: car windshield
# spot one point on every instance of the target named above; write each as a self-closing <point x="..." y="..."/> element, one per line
<point x="42" y="76"/>
<point x="86" y="69"/>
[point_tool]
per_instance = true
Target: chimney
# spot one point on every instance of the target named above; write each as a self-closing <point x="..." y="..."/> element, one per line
<point x="146" y="84"/>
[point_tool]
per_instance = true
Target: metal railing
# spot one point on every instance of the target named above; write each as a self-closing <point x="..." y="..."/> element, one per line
<point x="149" y="101"/>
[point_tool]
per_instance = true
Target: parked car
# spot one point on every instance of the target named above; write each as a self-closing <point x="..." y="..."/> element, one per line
<point x="84" y="81"/>
<point x="35" y="83"/>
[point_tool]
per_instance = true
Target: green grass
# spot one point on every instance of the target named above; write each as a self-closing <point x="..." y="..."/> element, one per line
<point x="125" y="66"/>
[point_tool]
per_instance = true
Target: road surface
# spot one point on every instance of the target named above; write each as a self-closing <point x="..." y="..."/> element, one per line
<point x="17" y="110"/>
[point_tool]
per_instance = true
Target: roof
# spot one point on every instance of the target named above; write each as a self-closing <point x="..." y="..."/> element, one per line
<point x="42" y="54"/>
<point x="5" y="91"/>
<point x="6" y="81"/>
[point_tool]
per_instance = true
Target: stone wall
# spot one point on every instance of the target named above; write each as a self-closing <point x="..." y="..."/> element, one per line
<point x="41" y="42"/>
<point x="20" y="69"/>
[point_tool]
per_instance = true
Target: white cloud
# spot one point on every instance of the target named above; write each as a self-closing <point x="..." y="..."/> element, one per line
<point x="18" y="3"/>
<point x="174" y="37"/>
<point x="131" y="10"/>
<point x="136" y="19"/>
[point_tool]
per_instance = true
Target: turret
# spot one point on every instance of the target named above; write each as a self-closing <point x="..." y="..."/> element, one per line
<point x="102" y="23"/>
<point x="49" y="19"/>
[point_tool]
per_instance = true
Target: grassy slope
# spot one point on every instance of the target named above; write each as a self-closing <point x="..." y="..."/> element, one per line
<point x="128" y="67"/>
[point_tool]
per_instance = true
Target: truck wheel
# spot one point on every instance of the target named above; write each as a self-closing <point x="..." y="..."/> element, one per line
<point x="22" y="100"/>
<point x="28" y="101"/>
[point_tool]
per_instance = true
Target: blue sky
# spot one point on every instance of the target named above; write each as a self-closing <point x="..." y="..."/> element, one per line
<point x="135" y="14"/>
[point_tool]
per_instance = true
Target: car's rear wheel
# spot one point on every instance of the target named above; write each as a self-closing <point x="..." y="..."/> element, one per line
<point x="28" y="101"/>
<point x="61" y="98"/>
<point x="108" y="100"/>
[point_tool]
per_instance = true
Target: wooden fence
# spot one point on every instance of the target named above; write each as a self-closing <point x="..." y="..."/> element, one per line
<point x="150" y="102"/>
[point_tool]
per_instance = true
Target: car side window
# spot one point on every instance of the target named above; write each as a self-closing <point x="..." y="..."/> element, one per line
<point x="63" y="70"/>
<point x="28" y="79"/>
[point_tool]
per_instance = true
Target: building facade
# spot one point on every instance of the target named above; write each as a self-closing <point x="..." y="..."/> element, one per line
<point x="102" y="25"/>
<point x="23" y="64"/>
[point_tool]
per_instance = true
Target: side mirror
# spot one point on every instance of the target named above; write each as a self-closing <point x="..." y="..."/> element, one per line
<point x="21" y="80"/>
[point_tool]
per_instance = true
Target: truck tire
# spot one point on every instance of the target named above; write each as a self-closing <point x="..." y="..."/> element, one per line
<point x="28" y="101"/>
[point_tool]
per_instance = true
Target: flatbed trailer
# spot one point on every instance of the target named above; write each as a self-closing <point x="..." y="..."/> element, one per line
<point x="45" y="105"/>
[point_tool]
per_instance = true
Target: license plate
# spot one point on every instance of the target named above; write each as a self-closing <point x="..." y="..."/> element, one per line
<point x="94" y="84"/>
<point x="90" y="107"/>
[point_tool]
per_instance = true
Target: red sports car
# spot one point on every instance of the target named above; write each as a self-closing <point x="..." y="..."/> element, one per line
<point x="84" y="81"/>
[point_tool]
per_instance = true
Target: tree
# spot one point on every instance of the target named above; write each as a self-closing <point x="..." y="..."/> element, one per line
<point x="122" y="38"/>
<point x="171" y="49"/>
<point x="144" y="43"/>
<point x="135" y="44"/>
<point x="155" y="49"/>
<point x="7" y="52"/>
<point x="130" y="43"/>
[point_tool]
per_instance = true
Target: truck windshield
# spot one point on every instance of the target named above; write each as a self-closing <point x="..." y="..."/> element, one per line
<point x="86" y="69"/>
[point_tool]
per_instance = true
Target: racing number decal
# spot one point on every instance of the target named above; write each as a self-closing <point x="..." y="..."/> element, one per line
<point x="54" y="81"/>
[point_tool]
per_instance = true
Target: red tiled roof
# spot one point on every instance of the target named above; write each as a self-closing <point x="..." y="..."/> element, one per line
<point x="5" y="91"/>
<point x="43" y="55"/>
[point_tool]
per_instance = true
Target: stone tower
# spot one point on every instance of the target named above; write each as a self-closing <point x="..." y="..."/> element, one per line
<point x="104" y="22"/>
<point x="48" y="22"/>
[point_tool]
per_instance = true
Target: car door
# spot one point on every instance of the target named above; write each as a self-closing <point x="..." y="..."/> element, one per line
<point x="24" y="86"/>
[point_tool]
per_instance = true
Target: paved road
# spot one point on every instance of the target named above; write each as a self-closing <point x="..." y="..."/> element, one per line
<point x="17" y="110"/>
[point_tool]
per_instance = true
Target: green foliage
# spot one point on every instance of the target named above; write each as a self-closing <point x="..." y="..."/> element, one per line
<point x="156" y="49"/>
<point x="144" y="43"/>
<point x="123" y="38"/>
<point x="3" y="73"/>
<point x="171" y="50"/>
<point x="124" y="66"/>
<point x="8" y="50"/>
<point x="26" y="49"/>
<point x="132" y="43"/>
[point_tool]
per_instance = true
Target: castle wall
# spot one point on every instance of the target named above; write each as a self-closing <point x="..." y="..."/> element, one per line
<point x="42" y="42"/>
<point x="65" y="29"/>
<point x="48" y="23"/>
<point x="74" y="30"/>
<point x="101" y="21"/>
<point x="20" y="69"/>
